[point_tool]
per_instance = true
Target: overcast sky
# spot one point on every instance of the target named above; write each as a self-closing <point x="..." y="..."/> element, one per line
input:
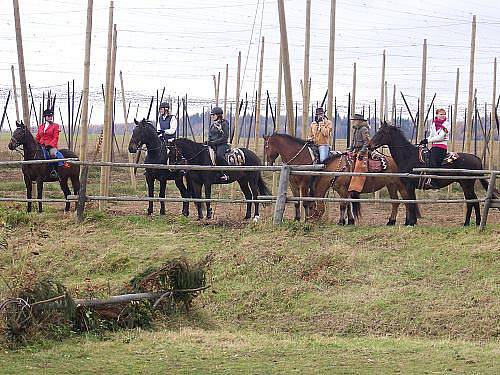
<point x="181" y="44"/>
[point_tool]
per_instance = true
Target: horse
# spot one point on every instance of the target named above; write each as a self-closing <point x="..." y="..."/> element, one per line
<point x="39" y="173"/>
<point x="407" y="157"/>
<point x="145" y="133"/>
<point x="293" y="151"/>
<point x="251" y="182"/>
<point x="342" y="163"/>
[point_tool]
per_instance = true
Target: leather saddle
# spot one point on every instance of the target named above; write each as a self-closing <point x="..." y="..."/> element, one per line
<point x="424" y="156"/>
<point x="376" y="161"/>
<point x="233" y="156"/>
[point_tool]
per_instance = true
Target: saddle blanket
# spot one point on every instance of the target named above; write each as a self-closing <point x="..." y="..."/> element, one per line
<point x="234" y="156"/>
<point x="450" y="158"/>
<point x="59" y="155"/>
<point x="376" y="161"/>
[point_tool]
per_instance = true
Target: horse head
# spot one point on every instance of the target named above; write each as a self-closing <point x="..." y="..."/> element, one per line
<point x="143" y="133"/>
<point x="19" y="136"/>
<point x="383" y="136"/>
<point x="270" y="150"/>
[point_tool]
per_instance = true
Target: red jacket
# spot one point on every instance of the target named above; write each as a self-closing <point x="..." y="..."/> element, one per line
<point x="49" y="137"/>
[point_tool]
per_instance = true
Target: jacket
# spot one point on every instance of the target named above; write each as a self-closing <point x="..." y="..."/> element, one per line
<point x="439" y="138"/>
<point x="218" y="134"/>
<point x="322" y="132"/>
<point x="48" y="137"/>
<point x="360" y="138"/>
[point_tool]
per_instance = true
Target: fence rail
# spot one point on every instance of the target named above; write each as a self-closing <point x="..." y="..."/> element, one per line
<point x="282" y="198"/>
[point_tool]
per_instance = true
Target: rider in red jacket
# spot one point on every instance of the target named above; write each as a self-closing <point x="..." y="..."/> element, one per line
<point x="48" y="136"/>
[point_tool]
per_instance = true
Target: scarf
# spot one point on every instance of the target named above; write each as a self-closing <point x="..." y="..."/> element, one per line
<point x="438" y="123"/>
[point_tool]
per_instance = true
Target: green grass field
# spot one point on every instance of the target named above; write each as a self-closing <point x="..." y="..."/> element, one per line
<point x="293" y="299"/>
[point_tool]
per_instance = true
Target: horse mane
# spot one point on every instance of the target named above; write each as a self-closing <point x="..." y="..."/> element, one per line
<point x="291" y="138"/>
<point x="402" y="137"/>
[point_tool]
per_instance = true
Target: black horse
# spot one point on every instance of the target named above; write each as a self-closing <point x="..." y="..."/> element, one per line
<point x="406" y="156"/>
<point x="251" y="182"/>
<point x="40" y="173"/>
<point x="145" y="134"/>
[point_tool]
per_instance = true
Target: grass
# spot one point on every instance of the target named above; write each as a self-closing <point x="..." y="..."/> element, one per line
<point x="297" y="298"/>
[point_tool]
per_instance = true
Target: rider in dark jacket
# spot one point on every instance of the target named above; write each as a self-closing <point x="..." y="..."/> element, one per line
<point x="218" y="138"/>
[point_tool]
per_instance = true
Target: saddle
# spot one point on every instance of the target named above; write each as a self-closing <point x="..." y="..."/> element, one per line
<point x="376" y="161"/>
<point x="424" y="156"/>
<point x="234" y="156"/>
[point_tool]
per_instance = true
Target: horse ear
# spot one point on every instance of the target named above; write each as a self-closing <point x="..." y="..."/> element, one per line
<point x="266" y="137"/>
<point x="19" y="124"/>
<point x="136" y="122"/>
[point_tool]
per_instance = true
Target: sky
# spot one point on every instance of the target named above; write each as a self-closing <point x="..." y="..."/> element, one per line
<point x="180" y="45"/>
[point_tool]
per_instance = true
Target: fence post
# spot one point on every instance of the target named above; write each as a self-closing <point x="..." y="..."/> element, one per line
<point x="279" y="208"/>
<point x="82" y="194"/>
<point x="487" y="202"/>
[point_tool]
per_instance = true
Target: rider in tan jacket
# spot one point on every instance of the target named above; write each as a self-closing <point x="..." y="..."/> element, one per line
<point x="320" y="133"/>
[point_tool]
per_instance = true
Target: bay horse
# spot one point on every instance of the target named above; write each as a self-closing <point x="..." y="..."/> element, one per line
<point x="40" y="173"/>
<point x="145" y="133"/>
<point x="406" y="156"/>
<point x="251" y="182"/>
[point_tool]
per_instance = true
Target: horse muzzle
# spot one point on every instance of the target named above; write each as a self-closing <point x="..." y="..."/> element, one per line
<point x="132" y="148"/>
<point x="13" y="145"/>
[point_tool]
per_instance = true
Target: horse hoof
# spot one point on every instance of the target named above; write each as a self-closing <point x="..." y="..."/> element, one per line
<point x="391" y="222"/>
<point x="162" y="213"/>
<point x="246" y="218"/>
<point x="341" y="222"/>
<point x="185" y="213"/>
<point x="350" y="222"/>
<point x="256" y="218"/>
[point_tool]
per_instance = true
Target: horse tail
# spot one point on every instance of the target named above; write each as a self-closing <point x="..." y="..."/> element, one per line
<point x="485" y="183"/>
<point x="356" y="206"/>
<point x="263" y="189"/>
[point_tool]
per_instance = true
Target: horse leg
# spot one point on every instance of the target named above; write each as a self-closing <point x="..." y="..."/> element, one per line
<point x="29" y="191"/>
<point x="248" y="195"/>
<point x="468" y="189"/>
<point x="393" y="193"/>
<point x="163" y="188"/>
<point x="304" y="192"/>
<point x="412" y="214"/>
<point x="75" y="181"/>
<point x="196" y="188"/>
<point x="254" y="187"/>
<point x="295" y="192"/>
<point x="39" y="195"/>
<point x="184" y="194"/>
<point x="208" y="194"/>
<point x="150" y="181"/>
<point x="404" y="195"/>
<point x="63" y="182"/>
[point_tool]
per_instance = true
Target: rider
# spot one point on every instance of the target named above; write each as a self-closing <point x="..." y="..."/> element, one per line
<point x="359" y="146"/>
<point x="48" y="136"/>
<point x="320" y="133"/>
<point x="439" y="135"/>
<point x="167" y="123"/>
<point x="218" y="136"/>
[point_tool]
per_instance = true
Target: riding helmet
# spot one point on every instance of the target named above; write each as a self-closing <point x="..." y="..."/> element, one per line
<point x="320" y="111"/>
<point x="48" y="112"/>
<point x="165" y="105"/>
<point x="216" y="111"/>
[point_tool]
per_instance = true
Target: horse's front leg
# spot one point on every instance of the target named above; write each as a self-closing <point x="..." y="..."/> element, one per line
<point x="29" y="191"/>
<point x="208" y="195"/>
<point x="296" y="193"/>
<point x="393" y="193"/>
<point x="163" y="188"/>
<point x="39" y="194"/>
<point x="304" y="192"/>
<point x="63" y="182"/>
<point x="184" y="194"/>
<point x="150" y="181"/>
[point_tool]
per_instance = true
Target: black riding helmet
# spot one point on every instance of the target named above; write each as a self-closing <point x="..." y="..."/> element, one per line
<point x="48" y="112"/>
<point x="216" y="111"/>
<point x="165" y="105"/>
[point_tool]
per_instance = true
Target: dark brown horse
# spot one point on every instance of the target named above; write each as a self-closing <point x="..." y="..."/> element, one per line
<point x="406" y="156"/>
<point x="39" y="173"/>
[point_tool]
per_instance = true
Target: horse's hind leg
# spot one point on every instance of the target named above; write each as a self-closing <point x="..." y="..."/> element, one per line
<point x="184" y="194"/>
<point x="208" y="194"/>
<point x="254" y="187"/>
<point x="150" y="181"/>
<point x="39" y="195"/>
<point x="248" y="195"/>
<point x="163" y="188"/>
<point x="29" y="191"/>
<point x="469" y="193"/>
<point x="393" y="193"/>
<point x="295" y="192"/>
<point x="75" y="181"/>
<point x="65" y="188"/>
<point x="196" y="188"/>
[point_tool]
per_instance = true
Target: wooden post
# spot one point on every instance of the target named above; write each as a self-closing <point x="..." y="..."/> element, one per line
<point x="487" y="202"/>
<point x="393" y="111"/>
<point x="82" y="193"/>
<point x="259" y="99"/>
<point x="386" y="103"/>
<point x="286" y="66"/>
<point x="279" y="208"/>
<point x="493" y="116"/>
<point x="125" y="119"/>
<point x="305" y="93"/>
<point x="20" y="61"/>
<point x="107" y="136"/>
<point x="454" y="132"/>
<point x="225" y="90"/>
<point x="236" y="111"/>
<point x="331" y="60"/>
<point x="280" y="85"/>
<point x="470" y="101"/>
<point x="421" y="111"/>
<point x="382" y="96"/>
<point x="86" y="78"/>
<point x="353" y="96"/>
<point x="14" y="89"/>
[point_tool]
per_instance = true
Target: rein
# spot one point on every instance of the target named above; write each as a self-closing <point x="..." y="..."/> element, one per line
<point x="297" y="154"/>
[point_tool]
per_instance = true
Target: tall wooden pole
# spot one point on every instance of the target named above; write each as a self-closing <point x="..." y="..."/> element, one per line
<point x="259" y="99"/>
<point x="20" y="61"/>
<point x="470" y="105"/>
<point x="125" y="119"/>
<point x="421" y="111"/>
<point x="386" y="102"/>
<point x="393" y="111"/>
<point x="305" y="93"/>
<point x="14" y="89"/>
<point x="280" y="85"/>
<point x="237" y="109"/>
<point x="225" y="90"/>
<point x="493" y="116"/>
<point x="86" y="78"/>
<point x="331" y="59"/>
<point x="353" y="96"/>
<point x="106" y="144"/>
<point x="454" y="130"/>
<point x="382" y="96"/>
<point x="286" y="66"/>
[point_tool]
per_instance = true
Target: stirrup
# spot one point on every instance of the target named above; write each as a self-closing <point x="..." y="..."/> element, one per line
<point x="53" y="174"/>
<point x="224" y="177"/>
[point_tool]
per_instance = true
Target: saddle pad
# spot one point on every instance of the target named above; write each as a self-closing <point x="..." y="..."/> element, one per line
<point x="235" y="156"/>
<point x="450" y="158"/>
